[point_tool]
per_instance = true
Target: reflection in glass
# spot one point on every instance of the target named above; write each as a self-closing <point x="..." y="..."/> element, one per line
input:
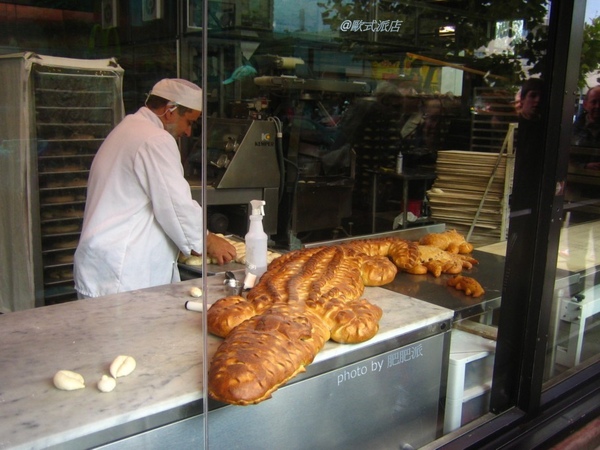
<point x="574" y="330"/>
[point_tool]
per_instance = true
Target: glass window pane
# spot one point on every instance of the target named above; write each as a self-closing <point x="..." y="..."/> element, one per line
<point x="574" y="337"/>
<point x="350" y="119"/>
<point x="349" y="86"/>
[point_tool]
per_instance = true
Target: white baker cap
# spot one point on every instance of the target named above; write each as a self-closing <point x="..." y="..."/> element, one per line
<point x="180" y="91"/>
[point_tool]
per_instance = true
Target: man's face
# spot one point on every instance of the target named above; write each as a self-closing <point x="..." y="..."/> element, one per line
<point x="591" y="104"/>
<point x="530" y="104"/>
<point x="181" y="125"/>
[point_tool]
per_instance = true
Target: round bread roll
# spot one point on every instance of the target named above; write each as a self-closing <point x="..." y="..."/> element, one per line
<point x="76" y="182"/>
<point x="61" y="152"/>
<point x="72" y="243"/>
<point x="377" y="271"/>
<point x="55" y="184"/>
<point x="58" y="275"/>
<point x="75" y="213"/>
<point x="82" y="136"/>
<point x="122" y="366"/>
<point x="272" y="256"/>
<point x="62" y="213"/>
<point x="67" y="380"/>
<point x="65" y="259"/>
<point x="68" y="168"/>
<point x="59" y="199"/>
<point x="58" y="229"/>
<point x="107" y="384"/>
<point x="54" y="275"/>
<point x="194" y="261"/>
<point x="197" y="260"/>
<point x="66" y="274"/>
<point x="196" y="292"/>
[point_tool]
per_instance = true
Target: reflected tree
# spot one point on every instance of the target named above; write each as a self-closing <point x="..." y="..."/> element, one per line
<point x="590" y="50"/>
<point x="473" y="24"/>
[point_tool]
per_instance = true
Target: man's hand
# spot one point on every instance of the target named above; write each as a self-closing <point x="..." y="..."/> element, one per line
<point x="220" y="249"/>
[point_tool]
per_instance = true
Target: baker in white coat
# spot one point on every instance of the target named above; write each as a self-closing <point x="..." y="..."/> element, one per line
<point x="139" y="211"/>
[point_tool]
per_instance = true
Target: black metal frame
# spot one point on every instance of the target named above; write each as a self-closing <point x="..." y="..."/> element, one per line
<point x="528" y="417"/>
<point x="529" y="279"/>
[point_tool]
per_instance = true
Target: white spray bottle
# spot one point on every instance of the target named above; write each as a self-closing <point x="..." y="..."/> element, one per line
<point x="256" y="244"/>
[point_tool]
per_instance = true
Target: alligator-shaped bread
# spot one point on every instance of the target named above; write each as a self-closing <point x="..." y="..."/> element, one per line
<point x="305" y="298"/>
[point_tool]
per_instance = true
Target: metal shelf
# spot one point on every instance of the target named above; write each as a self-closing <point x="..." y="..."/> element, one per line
<point x="65" y="160"/>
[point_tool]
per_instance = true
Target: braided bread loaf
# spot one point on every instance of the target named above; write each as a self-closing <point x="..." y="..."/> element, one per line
<point x="264" y="352"/>
<point x="305" y="298"/>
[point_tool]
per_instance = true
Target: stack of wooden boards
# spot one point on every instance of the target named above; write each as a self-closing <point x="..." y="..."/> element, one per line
<point x="471" y="194"/>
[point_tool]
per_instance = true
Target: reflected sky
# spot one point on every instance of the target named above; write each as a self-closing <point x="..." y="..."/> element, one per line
<point x="592" y="9"/>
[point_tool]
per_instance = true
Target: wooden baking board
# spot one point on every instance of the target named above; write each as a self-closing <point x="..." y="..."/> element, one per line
<point x="457" y="194"/>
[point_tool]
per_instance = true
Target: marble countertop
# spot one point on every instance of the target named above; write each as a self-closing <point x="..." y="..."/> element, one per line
<point x="153" y="326"/>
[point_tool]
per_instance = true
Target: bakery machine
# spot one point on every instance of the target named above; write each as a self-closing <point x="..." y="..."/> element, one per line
<point x="318" y="178"/>
<point x="243" y="165"/>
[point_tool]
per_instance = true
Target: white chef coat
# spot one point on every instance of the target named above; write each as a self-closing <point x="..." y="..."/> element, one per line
<point x="139" y="211"/>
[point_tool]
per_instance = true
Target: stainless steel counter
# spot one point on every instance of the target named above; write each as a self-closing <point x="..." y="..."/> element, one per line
<point x="489" y="273"/>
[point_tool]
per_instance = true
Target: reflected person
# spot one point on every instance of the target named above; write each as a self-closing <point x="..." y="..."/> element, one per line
<point x="586" y="129"/>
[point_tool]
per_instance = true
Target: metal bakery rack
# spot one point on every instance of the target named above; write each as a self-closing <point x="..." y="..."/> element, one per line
<point x="54" y="126"/>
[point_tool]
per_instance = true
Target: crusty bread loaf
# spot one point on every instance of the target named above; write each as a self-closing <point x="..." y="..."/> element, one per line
<point x="404" y="254"/>
<point x="294" y="278"/>
<point x="305" y="298"/>
<point x="227" y="313"/>
<point x="451" y="241"/>
<point x="469" y="285"/>
<point x="264" y="352"/>
<point x="377" y="271"/>
<point x="437" y="261"/>
<point x="347" y="320"/>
